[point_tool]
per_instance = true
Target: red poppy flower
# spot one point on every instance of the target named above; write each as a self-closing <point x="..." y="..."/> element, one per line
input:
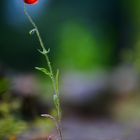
<point x="31" y="1"/>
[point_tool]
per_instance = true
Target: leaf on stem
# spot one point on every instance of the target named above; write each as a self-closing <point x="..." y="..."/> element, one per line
<point x="56" y="100"/>
<point x="32" y="31"/>
<point x="45" y="71"/>
<point x="57" y="80"/>
<point x="44" y="52"/>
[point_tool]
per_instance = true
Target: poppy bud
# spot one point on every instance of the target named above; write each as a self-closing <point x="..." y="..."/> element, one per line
<point x="31" y="1"/>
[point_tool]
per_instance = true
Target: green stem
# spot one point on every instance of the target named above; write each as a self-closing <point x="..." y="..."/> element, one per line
<point x="52" y="76"/>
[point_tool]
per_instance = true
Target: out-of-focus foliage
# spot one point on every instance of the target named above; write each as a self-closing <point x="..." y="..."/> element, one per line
<point x="4" y="85"/>
<point x="11" y="127"/>
<point x="9" y="124"/>
<point x="133" y="52"/>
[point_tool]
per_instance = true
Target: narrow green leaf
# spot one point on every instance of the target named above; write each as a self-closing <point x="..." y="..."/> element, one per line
<point x="32" y="31"/>
<point x="56" y="100"/>
<point x="57" y="80"/>
<point x="44" y="51"/>
<point x="45" y="71"/>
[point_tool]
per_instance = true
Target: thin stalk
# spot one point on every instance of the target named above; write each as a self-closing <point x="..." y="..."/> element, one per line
<point x="55" y="121"/>
<point x="51" y="73"/>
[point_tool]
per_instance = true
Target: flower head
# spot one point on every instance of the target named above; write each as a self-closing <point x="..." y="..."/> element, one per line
<point x="31" y="1"/>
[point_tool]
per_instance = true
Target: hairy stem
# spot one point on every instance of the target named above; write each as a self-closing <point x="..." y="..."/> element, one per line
<point x="56" y="123"/>
<point x="51" y="73"/>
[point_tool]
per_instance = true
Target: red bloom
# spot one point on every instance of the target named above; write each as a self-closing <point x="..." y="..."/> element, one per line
<point x="31" y="1"/>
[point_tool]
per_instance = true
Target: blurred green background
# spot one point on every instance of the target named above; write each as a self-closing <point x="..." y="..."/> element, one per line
<point x="96" y="46"/>
<point x="81" y="34"/>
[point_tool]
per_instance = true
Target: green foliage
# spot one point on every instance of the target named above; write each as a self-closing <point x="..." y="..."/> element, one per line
<point x="56" y="100"/>
<point x="57" y="81"/>
<point x="133" y="56"/>
<point x="11" y="127"/>
<point x="45" y="71"/>
<point x="80" y="48"/>
<point x="4" y="85"/>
